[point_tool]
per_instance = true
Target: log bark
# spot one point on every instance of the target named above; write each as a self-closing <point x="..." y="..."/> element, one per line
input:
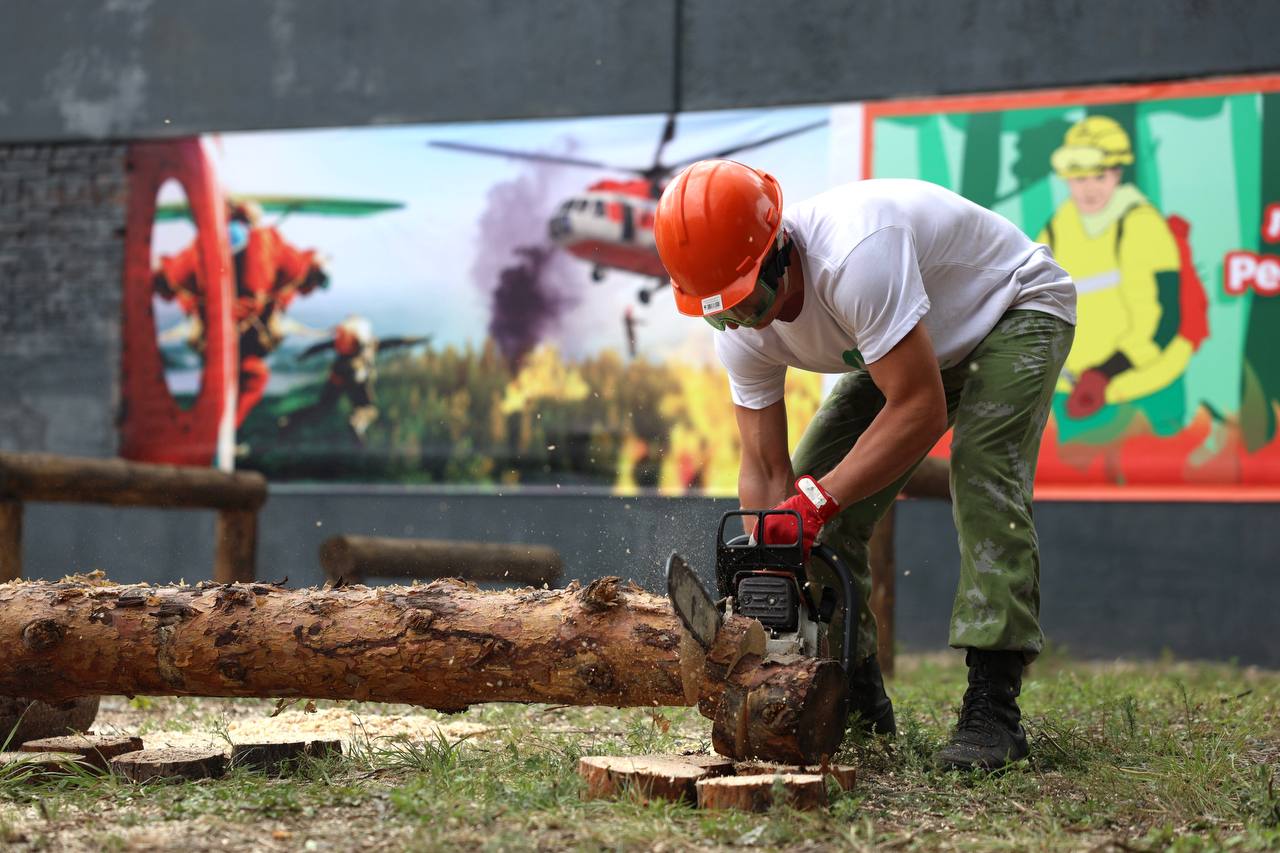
<point x="444" y="645"/>
<point x="760" y="793"/>
<point x="354" y="558"/>
<point x="49" y="477"/>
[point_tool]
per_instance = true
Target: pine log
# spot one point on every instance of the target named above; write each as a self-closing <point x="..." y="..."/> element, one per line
<point x="97" y="750"/>
<point x="354" y="558"/>
<point x="760" y="793"/>
<point x="444" y="645"/>
<point x="147" y="764"/>
<point x="644" y="776"/>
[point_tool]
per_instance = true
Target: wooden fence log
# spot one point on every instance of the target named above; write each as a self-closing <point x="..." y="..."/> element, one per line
<point x="444" y="645"/>
<point x="73" y="479"/>
<point x="354" y="558"/>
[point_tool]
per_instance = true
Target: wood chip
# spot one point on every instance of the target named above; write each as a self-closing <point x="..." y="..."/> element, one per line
<point x="97" y="750"/>
<point x="649" y="777"/>
<point x="149" y="764"/>
<point x="844" y="774"/>
<point x="760" y="793"/>
<point x="281" y="756"/>
<point x="40" y="765"/>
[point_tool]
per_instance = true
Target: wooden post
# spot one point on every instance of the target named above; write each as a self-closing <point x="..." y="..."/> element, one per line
<point x="10" y="540"/>
<point x="883" y="572"/>
<point x="235" y="554"/>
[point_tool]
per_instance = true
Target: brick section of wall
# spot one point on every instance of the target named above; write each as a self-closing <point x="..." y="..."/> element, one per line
<point x="62" y="218"/>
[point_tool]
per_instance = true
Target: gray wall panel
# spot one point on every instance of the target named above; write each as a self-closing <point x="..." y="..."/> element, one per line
<point x="128" y="68"/>
<point x="136" y="68"/>
<point x="1127" y="580"/>
<point x="762" y="52"/>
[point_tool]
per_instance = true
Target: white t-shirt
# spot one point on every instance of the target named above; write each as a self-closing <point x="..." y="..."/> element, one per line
<point x="880" y="256"/>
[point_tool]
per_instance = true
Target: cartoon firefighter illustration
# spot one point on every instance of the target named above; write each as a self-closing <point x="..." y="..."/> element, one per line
<point x="1142" y="307"/>
<point x="269" y="274"/>
<point x="351" y="375"/>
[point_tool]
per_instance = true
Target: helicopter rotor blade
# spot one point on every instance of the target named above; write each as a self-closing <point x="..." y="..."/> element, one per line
<point x="755" y="143"/>
<point x="668" y="134"/>
<point x="530" y="155"/>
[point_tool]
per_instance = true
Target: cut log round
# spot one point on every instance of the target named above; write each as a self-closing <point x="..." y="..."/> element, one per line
<point x="444" y="645"/>
<point x="97" y="750"/>
<point x="147" y="764"/>
<point x="844" y="775"/>
<point x="715" y="765"/>
<point x="760" y="716"/>
<point x="23" y="719"/>
<point x="760" y="793"/>
<point x="281" y="756"/>
<point x="647" y="777"/>
<point x="40" y="765"/>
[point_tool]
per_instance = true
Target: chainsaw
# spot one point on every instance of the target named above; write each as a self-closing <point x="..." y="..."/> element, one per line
<point x="769" y="583"/>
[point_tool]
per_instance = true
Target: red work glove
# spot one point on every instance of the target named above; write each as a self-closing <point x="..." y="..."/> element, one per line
<point x="816" y="508"/>
<point x="1088" y="395"/>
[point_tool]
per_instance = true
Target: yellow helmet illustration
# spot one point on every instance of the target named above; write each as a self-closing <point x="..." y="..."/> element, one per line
<point x="1090" y="146"/>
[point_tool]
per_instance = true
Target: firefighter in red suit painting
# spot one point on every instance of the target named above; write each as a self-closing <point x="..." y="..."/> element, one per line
<point x="269" y="274"/>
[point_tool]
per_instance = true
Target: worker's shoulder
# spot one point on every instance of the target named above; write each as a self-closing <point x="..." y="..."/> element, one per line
<point x="1145" y="215"/>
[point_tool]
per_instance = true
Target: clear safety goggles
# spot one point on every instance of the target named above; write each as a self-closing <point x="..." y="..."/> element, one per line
<point x="751" y="310"/>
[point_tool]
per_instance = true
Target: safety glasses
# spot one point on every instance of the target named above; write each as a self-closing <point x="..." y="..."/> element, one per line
<point x="750" y="311"/>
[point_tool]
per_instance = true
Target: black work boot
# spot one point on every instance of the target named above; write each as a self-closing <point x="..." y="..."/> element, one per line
<point x="868" y="701"/>
<point x="989" y="734"/>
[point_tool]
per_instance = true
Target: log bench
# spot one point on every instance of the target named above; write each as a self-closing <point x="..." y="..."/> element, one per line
<point x="236" y="497"/>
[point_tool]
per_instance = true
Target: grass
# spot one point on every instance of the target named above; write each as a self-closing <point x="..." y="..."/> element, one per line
<point x="1124" y="757"/>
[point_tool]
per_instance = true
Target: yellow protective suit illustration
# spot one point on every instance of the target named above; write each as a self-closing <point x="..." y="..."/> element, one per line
<point x="1134" y="279"/>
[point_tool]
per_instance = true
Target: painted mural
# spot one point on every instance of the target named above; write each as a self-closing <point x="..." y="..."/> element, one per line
<point x="477" y="305"/>
<point x="1161" y="202"/>
<point x="482" y="305"/>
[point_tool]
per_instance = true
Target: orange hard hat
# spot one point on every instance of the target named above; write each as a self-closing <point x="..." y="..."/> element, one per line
<point x="716" y="222"/>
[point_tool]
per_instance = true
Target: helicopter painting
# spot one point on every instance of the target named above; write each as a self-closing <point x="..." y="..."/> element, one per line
<point x="610" y="225"/>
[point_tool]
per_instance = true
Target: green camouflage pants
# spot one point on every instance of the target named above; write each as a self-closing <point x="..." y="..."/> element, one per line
<point x="998" y="400"/>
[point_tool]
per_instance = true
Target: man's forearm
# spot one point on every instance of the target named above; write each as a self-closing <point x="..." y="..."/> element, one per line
<point x="897" y="438"/>
<point x="758" y="489"/>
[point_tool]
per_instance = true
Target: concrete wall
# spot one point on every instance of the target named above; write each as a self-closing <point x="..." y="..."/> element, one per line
<point x="61" y="261"/>
<point x="126" y="68"/>
<point x="1197" y="580"/>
